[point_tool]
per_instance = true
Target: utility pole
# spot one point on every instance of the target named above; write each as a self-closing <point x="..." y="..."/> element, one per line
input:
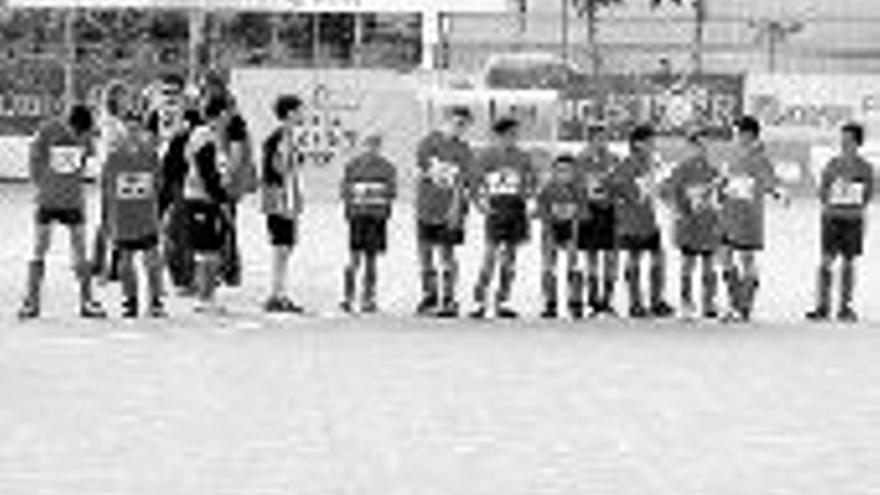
<point x="771" y="33"/>
<point x="70" y="16"/>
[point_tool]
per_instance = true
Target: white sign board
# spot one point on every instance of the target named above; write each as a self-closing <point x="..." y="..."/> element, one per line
<point x="460" y="6"/>
<point x="812" y="108"/>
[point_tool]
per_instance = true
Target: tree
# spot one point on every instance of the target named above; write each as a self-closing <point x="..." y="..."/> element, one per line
<point x="699" y="7"/>
<point x="589" y="10"/>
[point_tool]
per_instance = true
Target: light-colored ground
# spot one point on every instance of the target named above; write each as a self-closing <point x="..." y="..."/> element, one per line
<point x="394" y="405"/>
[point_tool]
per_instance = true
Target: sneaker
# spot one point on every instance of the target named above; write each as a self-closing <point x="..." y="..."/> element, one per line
<point x="369" y="307"/>
<point x="710" y="313"/>
<point x="847" y="315"/>
<point x="639" y="312"/>
<point x="550" y="312"/>
<point x="29" y="310"/>
<point x="448" y="310"/>
<point x="479" y="313"/>
<point x="130" y="308"/>
<point x="281" y="305"/>
<point x="157" y="309"/>
<point x="427" y="306"/>
<point x="576" y="311"/>
<point x="662" y="309"/>
<point x="92" y="309"/>
<point x="346" y="307"/>
<point x="732" y="316"/>
<point x="818" y="314"/>
<point x="506" y="313"/>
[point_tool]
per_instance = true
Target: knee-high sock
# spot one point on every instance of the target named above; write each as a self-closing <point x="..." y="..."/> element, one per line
<point x="593" y="296"/>
<point x="751" y="283"/>
<point x="36" y="273"/>
<point x="658" y="284"/>
<point x="371" y="276"/>
<point x="847" y="283"/>
<point x="735" y="288"/>
<point x="549" y="287"/>
<point x="450" y="281"/>
<point x="429" y="284"/>
<point x="710" y="285"/>
<point x="207" y="269"/>
<point x="82" y="272"/>
<point x="155" y="286"/>
<point x="128" y="277"/>
<point x="575" y="289"/>
<point x="633" y="277"/>
<point x="823" y="288"/>
<point x="505" y="284"/>
<point x="349" y="283"/>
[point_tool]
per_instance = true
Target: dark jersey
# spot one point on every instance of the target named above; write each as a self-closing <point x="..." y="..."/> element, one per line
<point x="445" y="178"/>
<point x="847" y="186"/>
<point x="57" y="163"/>
<point x="369" y="186"/>
<point x="132" y="180"/>
<point x="633" y="187"/>
<point x="506" y="174"/>
<point x="694" y="189"/>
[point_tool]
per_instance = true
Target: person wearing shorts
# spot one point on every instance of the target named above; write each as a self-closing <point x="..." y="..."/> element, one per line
<point x="56" y="164"/>
<point x="368" y="188"/>
<point x="506" y="187"/>
<point x="282" y="198"/>
<point x="445" y="177"/>
<point x="845" y="191"/>
<point x="635" y="191"/>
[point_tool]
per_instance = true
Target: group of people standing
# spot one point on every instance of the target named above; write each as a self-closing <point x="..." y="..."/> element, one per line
<point x="172" y="175"/>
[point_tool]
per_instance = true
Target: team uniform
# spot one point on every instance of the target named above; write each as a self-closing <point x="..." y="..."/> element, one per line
<point x="559" y="206"/>
<point x="111" y="132"/>
<point x="282" y="191"/>
<point x="694" y="189"/>
<point x="506" y="185"/>
<point x="635" y="184"/>
<point x="131" y="182"/>
<point x="597" y="231"/>
<point x="56" y="163"/>
<point x="846" y="189"/>
<point x="368" y="188"/>
<point x="747" y="182"/>
<point x="444" y="188"/>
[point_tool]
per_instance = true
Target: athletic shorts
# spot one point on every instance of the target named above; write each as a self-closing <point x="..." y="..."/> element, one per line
<point x="440" y="234"/>
<point x="634" y="242"/>
<point x="69" y="217"/>
<point x="206" y="226"/>
<point x="368" y="234"/>
<point x="599" y="231"/>
<point x="509" y="223"/>
<point x="282" y="231"/>
<point x="696" y="253"/>
<point x="559" y="233"/>
<point x="143" y="244"/>
<point x="843" y="236"/>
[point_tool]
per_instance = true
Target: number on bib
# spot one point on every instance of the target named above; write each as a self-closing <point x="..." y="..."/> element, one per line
<point x="504" y="182"/>
<point x="700" y="197"/>
<point x="65" y="159"/>
<point x="134" y="186"/>
<point x="443" y="174"/>
<point x="847" y="193"/>
<point x="741" y="187"/>
<point x="595" y="187"/>
<point x="369" y="193"/>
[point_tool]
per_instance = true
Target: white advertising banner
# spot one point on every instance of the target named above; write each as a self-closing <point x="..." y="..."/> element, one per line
<point x="461" y="6"/>
<point x="340" y="107"/>
<point x="813" y="107"/>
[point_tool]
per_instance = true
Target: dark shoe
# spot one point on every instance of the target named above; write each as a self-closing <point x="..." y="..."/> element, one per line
<point x="506" y="313"/>
<point x="576" y="311"/>
<point x="130" y="308"/>
<point x="281" y="305"/>
<point x="710" y="313"/>
<point x="818" y="314"/>
<point x="479" y="313"/>
<point x="427" y="306"/>
<point x="550" y="312"/>
<point x="346" y="307"/>
<point x="847" y="315"/>
<point x="662" y="310"/>
<point x="29" y="310"/>
<point x="157" y="309"/>
<point x="448" y="310"/>
<point x="638" y="312"/>
<point x="369" y="307"/>
<point x="92" y="309"/>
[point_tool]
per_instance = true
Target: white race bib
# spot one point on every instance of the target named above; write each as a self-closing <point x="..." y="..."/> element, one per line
<point x="369" y="193"/>
<point x="645" y="186"/>
<point x="595" y="187"/>
<point x="66" y="159"/>
<point x="741" y="187"/>
<point x="847" y="193"/>
<point x="134" y="186"/>
<point x="700" y="197"/>
<point x="503" y="182"/>
<point x="443" y="174"/>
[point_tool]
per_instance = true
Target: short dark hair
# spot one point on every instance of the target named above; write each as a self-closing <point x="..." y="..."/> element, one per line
<point x="80" y="119"/>
<point x="750" y="125"/>
<point x="462" y="112"/>
<point x="286" y="104"/>
<point x="641" y="133"/>
<point x="215" y="106"/>
<point x="173" y="79"/>
<point x="564" y="158"/>
<point x="856" y="130"/>
<point x="504" y="125"/>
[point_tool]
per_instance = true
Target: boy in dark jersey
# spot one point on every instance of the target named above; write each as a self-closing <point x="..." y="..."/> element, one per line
<point x="445" y="164"/>
<point x="749" y="178"/>
<point x="635" y="191"/>
<point x="506" y="186"/>
<point x="368" y="188"/>
<point x="694" y="190"/>
<point x="205" y="199"/>
<point x="845" y="190"/>
<point x="597" y="230"/>
<point x="57" y="162"/>
<point x="559" y="205"/>
<point x="131" y="181"/>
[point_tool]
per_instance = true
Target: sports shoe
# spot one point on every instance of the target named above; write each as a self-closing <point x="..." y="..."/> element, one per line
<point x="427" y="306"/>
<point x="710" y="313"/>
<point x="732" y="316"/>
<point x="369" y="307"/>
<point x="92" y="309"/>
<point x="448" y="310"/>
<point x="550" y="312"/>
<point x="818" y="314"/>
<point x="157" y="309"/>
<point x="346" y="307"/>
<point x="29" y="310"/>
<point x="478" y="313"/>
<point x="847" y="315"/>
<point x="506" y="313"/>
<point x="576" y="310"/>
<point x="130" y="308"/>
<point x="638" y="311"/>
<point x="662" y="309"/>
<point x="281" y="305"/>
